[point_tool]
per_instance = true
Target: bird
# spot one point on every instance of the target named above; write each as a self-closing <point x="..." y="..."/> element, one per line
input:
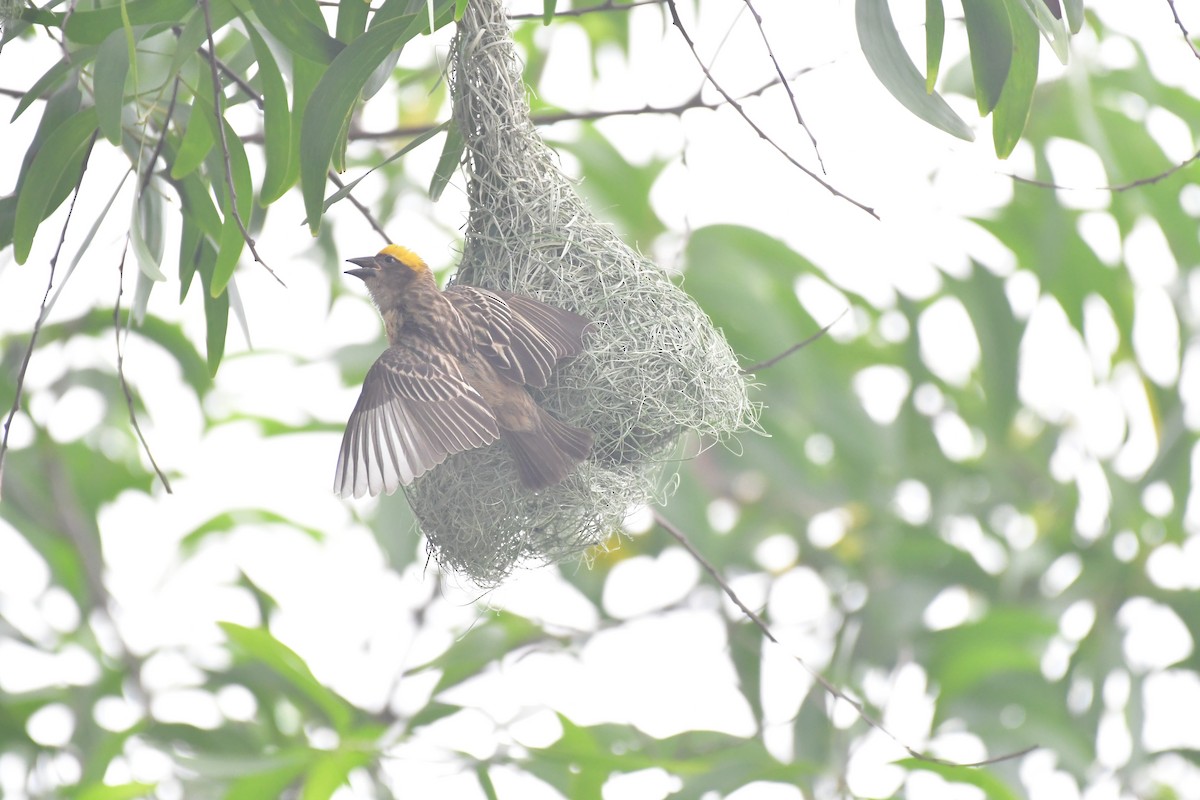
<point x="454" y="377"/>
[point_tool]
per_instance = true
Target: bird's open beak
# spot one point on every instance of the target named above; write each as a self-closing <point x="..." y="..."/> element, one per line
<point x="366" y="267"/>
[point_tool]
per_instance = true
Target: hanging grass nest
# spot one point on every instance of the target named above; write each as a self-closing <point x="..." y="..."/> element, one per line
<point x="654" y="369"/>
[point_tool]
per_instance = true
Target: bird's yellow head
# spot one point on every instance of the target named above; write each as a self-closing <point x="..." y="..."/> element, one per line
<point x="392" y="275"/>
<point x="393" y="265"/>
<point x="394" y="255"/>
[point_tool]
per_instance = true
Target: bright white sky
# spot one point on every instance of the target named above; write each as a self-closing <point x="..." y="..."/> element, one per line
<point x="351" y="619"/>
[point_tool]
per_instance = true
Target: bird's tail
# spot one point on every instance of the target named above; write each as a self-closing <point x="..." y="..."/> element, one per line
<point x="548" y="453"/>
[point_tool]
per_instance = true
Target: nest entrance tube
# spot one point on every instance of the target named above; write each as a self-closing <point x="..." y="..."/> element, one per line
<point x="654" y="369"/>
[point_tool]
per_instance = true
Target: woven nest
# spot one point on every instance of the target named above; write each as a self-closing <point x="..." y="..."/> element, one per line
<point x="655" y="368"/>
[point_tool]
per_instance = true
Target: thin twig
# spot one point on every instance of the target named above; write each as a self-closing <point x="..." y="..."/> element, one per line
<point x="678" y="23"/>
<point x="218" y="111"/>
<point x="43" y="311"/>
<point x="828" y="686"/>
<point x="608" y="5"/>
<point x="551" y="118"/>
<point x="770" y="362"/>
<point x="1187" y="37"/>
<point x="241" y="82"/>
<point x="1121" y="187"/>
<point x="162" y="139"/>
<point x="374" y="223"/>
<point x="786" y="86"/>
<point x="121" y="371"/>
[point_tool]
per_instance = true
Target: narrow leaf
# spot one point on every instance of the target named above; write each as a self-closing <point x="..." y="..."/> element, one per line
<point x="144" y="246"/>
<point x="890" y="62"/>
<point x="1074" y="9"/>
<point x="93" y="26"/>
<point x="935" y="36"/>
<point x="990" y="36"/>
<point x="56" y="164"/>
<point x="216" y="309"/>
<point x="1053" y="28"/>
<point x="330" y="771"/>
<point x="329" y="108"/>
<point x="229" y="250"/>
<point x="1012" y="111"/>
<point x="292" y="23"/>
<point x="277" y="122"/>
<point x="380" y="76"/>
<point x="122" y="791"/>
<point x="52" y="78"/>
<point x="216" y="319"/>
<point x="189" y="253"/>
<point x="351" y="19"/>
<point x="451" y="157"/>
<point x="260" y="645"/>
<point x="199" y="136"/>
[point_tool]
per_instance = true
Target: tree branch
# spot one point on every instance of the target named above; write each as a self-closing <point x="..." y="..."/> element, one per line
<point x="1120" y="187"/>
<point x="133" y="420"/>
<point x="678" y="23"/>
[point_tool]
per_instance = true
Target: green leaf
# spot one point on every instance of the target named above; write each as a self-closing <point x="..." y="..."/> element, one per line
<point x="216" y="309"/>
<point x="229" y="520"/>
<point x="189" y="253"/>
<point x="1074" y="14"/>
<point x="293" y="23"/>
<point x="260" y="645"/>
<point x="200" y="134"/>
<point x="52" y="77"/>
<point x="330" y="771"/>
<point x="485" y="781"/>
<point x="935" y="36"/>
<point x="890" y="62"/>
<point x="270" y="782"/>
<point x="329" y="108"/>
<point x="229" y="250"/>
<point x="1055" y="30"/>
<point x="124" y="791"/>
<point x="548" y="11"/>
<point x="198" y="205"/>
<point x="380" y="76"/>
<point x="1012" y="111"/>
<point x="56" y="165"/>
<point x="277" y="122"/>
<point x="351" y="19"/>
<point x="479" y="647"/>
<point x="451" y="157"/>
<point x="146" y="235"/>
<point x="305" y="77"/>
<point x="216" y="319"/>
<point x="93" y="26"/>
<point x="990" y="35"/>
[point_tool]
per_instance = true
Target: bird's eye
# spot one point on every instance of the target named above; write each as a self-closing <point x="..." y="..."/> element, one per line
<point x="390" y="259"/>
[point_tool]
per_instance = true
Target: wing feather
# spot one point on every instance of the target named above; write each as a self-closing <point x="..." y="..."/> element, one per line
<point x="415" y="410"/>
<point x="521" y="338"/>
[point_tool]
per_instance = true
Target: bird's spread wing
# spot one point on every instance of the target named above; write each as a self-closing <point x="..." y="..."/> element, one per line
<point x="520" y="337"/>
<point x="415" y="409"/>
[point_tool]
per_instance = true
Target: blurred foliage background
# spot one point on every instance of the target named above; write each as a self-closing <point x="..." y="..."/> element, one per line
<point x="975" y="510"/>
